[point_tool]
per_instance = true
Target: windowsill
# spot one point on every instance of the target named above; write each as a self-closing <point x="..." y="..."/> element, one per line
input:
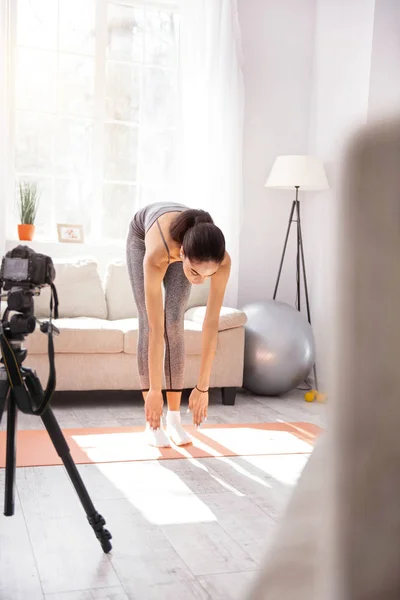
<point x="54" y="242"/>
<point x="102" y="252"/>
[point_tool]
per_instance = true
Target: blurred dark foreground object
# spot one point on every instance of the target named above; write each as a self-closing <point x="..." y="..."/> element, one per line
<point x="340" y="537"/>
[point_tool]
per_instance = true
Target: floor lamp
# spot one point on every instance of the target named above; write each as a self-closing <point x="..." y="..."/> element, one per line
<point x="299" y="173"/>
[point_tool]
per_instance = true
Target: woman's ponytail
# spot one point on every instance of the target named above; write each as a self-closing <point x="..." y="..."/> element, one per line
<point x="187" y="219"/>
<point x="202" y="241"/>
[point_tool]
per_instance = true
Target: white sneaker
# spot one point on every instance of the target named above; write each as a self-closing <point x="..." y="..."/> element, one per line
<point x="157" y="438"/>
<point x="175" y="429"/>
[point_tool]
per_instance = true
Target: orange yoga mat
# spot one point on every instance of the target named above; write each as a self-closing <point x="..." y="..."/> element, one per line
<point x="122" y="444"/>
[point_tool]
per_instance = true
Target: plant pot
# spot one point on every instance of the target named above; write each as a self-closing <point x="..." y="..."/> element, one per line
<point x="26" y="232"/>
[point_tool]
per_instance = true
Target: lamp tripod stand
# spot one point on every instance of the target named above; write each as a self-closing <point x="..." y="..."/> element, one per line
<point x="300" y="265"/>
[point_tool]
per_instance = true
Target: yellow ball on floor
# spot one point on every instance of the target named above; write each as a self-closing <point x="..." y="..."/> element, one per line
<point x="309" y="396"/>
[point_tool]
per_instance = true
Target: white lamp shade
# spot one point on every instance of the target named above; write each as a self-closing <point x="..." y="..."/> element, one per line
<point x="307" y="172"/>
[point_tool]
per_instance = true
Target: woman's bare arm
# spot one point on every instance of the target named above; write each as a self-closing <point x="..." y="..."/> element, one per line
<point x="211" y="321"/>
<point x="153" y="276"/>
<point x="155" y="265"/>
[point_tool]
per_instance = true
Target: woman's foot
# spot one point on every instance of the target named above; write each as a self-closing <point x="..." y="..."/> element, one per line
<point x="158" y="437"/>
<point x="175" y="430"/>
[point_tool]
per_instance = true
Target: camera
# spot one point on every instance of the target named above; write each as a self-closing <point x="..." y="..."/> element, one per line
<point x="23" y="272"/>
<point x="22" y="275"/>
<point x="24" y="267"/>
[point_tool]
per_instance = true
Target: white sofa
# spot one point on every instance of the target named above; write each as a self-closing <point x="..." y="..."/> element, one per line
<point x="96" y="348"/>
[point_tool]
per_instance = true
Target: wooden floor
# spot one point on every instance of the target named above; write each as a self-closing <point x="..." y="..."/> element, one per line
<point x="182" y="529"/>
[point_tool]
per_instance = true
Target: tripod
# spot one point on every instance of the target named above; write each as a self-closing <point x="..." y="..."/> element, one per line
<point x="8" y="397"/>
<point x="300" y="264"/>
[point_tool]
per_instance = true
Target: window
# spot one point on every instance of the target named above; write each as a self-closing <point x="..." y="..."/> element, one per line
<point x="95" y="109"/>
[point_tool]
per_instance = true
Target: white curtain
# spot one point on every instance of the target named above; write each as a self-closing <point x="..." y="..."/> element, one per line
<point x="4" y="129"/>
<point x="212" y="118"/>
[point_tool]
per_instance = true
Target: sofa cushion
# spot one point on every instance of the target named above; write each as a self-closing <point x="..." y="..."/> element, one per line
<point x="80" y="336"/>
<point x="119" y="295"/>
<point x="229" y="318"/>
<point x="118" y="292"/>
<point x="80" y="290"/>
<point x="192" y="337"/>
<point x="199" y="294"/>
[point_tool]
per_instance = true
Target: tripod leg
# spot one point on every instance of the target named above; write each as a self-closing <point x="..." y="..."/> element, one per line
<point x="9" y="502"/>
<point x="284" y="249"/>
<point x="303" y="262"/>
<point x="4" y="389"/>
<point x="95" y="519"/>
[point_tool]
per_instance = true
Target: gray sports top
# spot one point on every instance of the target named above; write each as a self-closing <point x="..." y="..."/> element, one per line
<point x="147" y="216"/>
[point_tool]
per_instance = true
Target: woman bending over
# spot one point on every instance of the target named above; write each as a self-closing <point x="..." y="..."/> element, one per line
<point x="173" y="246"/>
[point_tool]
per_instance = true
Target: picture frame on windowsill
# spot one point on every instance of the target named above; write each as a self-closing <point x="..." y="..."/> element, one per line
<point x="70" y="233"/>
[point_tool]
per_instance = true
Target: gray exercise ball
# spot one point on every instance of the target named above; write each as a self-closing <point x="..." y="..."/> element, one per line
<point x="279" y="348"/>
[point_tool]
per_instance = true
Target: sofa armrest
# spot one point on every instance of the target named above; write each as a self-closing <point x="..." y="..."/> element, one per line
<point x="229" y="318"/>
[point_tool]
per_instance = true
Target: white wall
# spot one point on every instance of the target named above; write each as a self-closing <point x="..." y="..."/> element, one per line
<point x="340" y="92"/>
<point x="314" y="71"/>
<point x="278" y="47"/>
<point x="356" y="80"/>
<point x="384" y="91"/>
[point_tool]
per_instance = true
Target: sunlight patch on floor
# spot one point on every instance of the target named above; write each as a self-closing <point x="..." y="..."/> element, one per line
<point x="285" y="469"/>
<point x="249" y="440"/>
<point x="172" y="509"/>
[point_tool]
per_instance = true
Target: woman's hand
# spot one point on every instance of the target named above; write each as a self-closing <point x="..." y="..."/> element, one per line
<point x="154" y="404"/>
<point x="198" y="405"/>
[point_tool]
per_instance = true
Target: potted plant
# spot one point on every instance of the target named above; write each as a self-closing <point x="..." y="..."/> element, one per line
<point x="28" y="205"/>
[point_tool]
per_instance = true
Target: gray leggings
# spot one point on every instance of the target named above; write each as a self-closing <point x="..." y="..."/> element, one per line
<point x="177" y="290"/>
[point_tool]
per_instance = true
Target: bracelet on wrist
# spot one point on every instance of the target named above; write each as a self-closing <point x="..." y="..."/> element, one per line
<point x="201" y="391"/>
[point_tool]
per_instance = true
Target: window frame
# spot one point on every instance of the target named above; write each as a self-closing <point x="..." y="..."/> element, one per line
<point x="99" y="118"/>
